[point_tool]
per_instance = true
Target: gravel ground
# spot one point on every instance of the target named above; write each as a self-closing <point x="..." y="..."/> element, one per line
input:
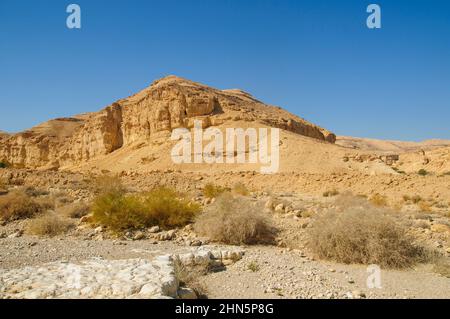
<point x="277" y="272"/>
<point x="290" y="274"/>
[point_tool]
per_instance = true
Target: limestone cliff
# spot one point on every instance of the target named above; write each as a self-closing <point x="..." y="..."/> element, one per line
<point x="168" y="103"/>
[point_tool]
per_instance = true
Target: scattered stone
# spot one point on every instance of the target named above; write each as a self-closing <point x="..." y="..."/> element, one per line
<point x="358" y="294"/>
<point x="186" y="293"/>
<point x="154" y="229"/>
<point x="139" y="235"/>
<point x="196" y="242"/>
<point x="16" y="234"/>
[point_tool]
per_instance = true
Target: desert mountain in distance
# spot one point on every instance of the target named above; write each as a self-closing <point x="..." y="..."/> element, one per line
<point x="133" y="134"/>
<point x="387" y="146"/>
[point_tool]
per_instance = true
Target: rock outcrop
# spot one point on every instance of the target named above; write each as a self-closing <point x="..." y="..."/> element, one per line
<point x="168" y="103"/>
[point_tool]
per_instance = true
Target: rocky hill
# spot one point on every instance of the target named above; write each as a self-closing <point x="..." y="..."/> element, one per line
<point x="168" y="103"/>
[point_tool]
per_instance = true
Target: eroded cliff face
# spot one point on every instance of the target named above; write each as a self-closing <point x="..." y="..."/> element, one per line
<point x="167" y="104"/>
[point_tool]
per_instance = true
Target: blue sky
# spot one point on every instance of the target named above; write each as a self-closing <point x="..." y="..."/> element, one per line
<point x="315" y="58"/>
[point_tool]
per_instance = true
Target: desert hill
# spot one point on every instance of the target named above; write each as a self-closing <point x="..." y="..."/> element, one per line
<point x="386" y="146"/>
<point x="133" y="134"/>
<point x="168" y="103"/>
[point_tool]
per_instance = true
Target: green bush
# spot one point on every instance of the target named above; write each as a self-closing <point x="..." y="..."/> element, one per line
<point x="212" y="191"/>
<point x="167" y="209"/>
<point x="161" y="206"/>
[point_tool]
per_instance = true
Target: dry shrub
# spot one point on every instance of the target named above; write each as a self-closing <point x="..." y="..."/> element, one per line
<point x="330" y="193"/>
<point x="424" y="207"/>
<point x="49" y="225"/>
<point x="212" y="191"/>
<point x="17" y="205"/>
<point x="416" y="199"/>
<point x="46" y="202"/>
<point x="161" y="206"/>
<point x="398" y="206"/>
<point x="363" y="234"/>
<point x="422" y="224"/>
<point x="4" y="164"/>
<point x="253" y="266"/>
<point x="240" y="189"/>
<point x="379" y="200"/>
<point x="74" y="210"/>
<point x="442" y="267"/>
<point x="189" y="276"/>
<point x="61" y="198"/>
<point x="3" y="184"/>
<point x="105" y="184"/>
<point x="347" y="199"/>
<point x="35" y="192"/>
<point x="236" y="220"/>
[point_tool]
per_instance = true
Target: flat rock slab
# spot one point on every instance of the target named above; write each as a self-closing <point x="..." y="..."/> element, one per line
<point x="109" y="279"/>
<point x="97" y="278"/>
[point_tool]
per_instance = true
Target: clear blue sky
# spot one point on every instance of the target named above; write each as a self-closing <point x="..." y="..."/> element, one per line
<point x="315" y="58"/>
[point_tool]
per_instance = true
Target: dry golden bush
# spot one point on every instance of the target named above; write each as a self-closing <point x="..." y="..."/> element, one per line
<point x="398" y="206"/>
<point x="240" y="189"/>
<point x="416" y="199"/>
<point x="74" y="210"/>
<point x="190" y="276"/>
<point x="236" y="220"/>
<point x="35" y="192"/>
<point x="442" y="267"/>
<point x="378" y="200"/>
<point x="104" y="184"/>
<point x="424" y="207"/>
<point x="46" y="202"/>
<point x="18" y="205"/>
<point x="364" y="234"/>
<point x="49" y="225"/>
<point x="3" y="184"/>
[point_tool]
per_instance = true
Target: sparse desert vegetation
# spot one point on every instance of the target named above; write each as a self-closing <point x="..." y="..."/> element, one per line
<point x="4" y="164"/>
<point x="363" y="234"/>
<point x="240" y="189"/>
<point x="330" y="193"/>
<point x="49" y="224"/>
<point x="223" y="230"/>
<point x="236" y="220"/>
<point x="379" y="200"/>
<point x="212" y="191"/>
<point x="74" y="210"/>
<point x="423" y="172"/>
<point x="161" y="206"/>
<point x="18" y="205"/>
